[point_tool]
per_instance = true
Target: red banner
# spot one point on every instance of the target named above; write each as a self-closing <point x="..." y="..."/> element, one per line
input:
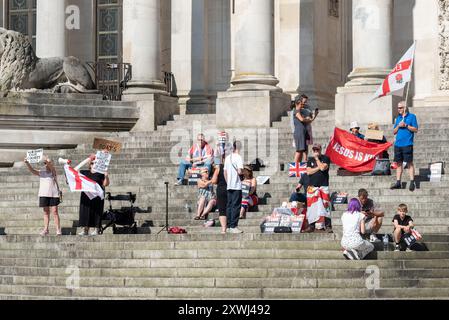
<point x="352" y="153"/>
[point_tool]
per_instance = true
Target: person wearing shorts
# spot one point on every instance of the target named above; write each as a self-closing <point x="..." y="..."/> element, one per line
<point x="48" y="194"/>
<point x="405" y="127"/>
<point x="373" y="215"/>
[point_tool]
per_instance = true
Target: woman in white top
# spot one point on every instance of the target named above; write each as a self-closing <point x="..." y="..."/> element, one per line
<point x="353" y="226"/>
<point x="48" y="194"/>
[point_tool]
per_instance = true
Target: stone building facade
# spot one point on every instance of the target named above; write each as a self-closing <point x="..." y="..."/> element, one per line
<point x="252" y="54"/>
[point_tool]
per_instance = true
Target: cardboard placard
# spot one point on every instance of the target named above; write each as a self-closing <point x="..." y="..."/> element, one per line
<point x="102" y="161"/>
<point x="374" y="134"/>
<point x="111" y="146"/>
<point x="35" y="156"/>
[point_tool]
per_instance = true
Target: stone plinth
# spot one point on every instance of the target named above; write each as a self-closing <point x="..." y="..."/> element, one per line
<point x="242" y="109"/>
<point x="154" y="110"/>
<point x="353" y="104"/>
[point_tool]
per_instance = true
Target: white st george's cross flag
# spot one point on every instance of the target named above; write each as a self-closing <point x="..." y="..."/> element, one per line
<point x="395" y="82"/>
<point x="79" y="182"/>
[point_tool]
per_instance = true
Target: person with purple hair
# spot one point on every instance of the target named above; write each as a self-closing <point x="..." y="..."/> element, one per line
<point x="353" y="226"/>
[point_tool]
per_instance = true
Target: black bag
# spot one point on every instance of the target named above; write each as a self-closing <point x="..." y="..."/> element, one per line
<point x="382" y="168"/>
<point x="282" y="230"/>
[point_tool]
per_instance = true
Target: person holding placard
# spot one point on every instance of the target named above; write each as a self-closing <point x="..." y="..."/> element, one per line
<point x="91" y="211"/>
<point x="48" y="194"/>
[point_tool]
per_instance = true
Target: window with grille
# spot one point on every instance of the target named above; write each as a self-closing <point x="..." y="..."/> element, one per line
<point x="109" y="30"/>
<point x="22" y="18"/>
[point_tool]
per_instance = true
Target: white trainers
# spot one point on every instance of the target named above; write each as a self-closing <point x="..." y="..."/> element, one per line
<point x="94" y="233"/>
<point x="408" y="250"/>
<point x="235" y="230"/>
<point x="83" y="233"/>
<point x="44" y="233"/>
<point x="373" y="238"/>
<point x="59" y="232"/>
<point x="355" y="254"/>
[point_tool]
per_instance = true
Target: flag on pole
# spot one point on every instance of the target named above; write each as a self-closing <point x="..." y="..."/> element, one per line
<point x="79" y="182"/>
<point x="395" y="82"/>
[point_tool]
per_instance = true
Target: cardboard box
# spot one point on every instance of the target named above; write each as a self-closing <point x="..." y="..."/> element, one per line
<point x="374" y="134"/>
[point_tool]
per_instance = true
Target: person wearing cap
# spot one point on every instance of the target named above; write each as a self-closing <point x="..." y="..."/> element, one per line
<point x="405" y="127"/>
<point x="355" y="130"/>
<point x="48" y="193"/>
<point x="318" y="196"/>
<point x="303" y="116"/>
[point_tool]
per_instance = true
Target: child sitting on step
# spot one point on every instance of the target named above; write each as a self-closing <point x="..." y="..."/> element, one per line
<point x="403" y="225"/>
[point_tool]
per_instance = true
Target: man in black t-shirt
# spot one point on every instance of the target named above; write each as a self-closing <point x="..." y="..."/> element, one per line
<point x="403" y="225"/>
<point x="302" y="184"/>
<point x="318" y="168"/>
<point x="318" y="199"/>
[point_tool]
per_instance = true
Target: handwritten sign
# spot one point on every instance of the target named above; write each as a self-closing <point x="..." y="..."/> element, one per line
<point x="102" y="161"/>
<point x="35" y="156"/>
<point x="111" y="146"/>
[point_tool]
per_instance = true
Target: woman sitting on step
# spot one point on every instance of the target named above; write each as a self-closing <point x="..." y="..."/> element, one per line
<point x="249" y="196"/>
<point x="353" y="226"/>
<point x="48" y="193"/>
<point x="206" y="196"/>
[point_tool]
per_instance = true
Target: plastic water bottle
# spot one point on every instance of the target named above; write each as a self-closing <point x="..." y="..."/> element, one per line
<point x="187" y="207"/>
<point x="385" y="241"/>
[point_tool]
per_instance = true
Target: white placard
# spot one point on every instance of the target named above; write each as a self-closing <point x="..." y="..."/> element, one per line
<point x="102" y="161"/>
<point x="262" y="179"/>
<point x="35" y="156"/>
<point x="436" y="169"/>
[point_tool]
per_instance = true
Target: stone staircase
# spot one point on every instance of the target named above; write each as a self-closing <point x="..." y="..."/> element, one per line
<point x="204" y="264"/>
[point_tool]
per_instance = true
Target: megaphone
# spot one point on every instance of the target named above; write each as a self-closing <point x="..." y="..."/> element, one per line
<point x="64" y="161"/>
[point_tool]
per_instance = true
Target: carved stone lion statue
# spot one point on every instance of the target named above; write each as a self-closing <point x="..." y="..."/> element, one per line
<point x="21" y="69"/>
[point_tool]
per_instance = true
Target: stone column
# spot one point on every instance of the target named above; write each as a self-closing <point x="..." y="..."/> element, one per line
<point x="254" y="100"/>
<point x="141" y="48"/>
<point x="372" y="41"/>
<point x="141" y="45"/>
<point x="50" y="28"/>
<point x="372" y="62"/>
<point x="254" y="46"/>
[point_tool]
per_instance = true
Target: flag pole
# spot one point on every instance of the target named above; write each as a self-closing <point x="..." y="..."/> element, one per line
<point x="411" y="77"/>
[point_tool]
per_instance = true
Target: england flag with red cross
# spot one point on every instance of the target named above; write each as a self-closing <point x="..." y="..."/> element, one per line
<point x="401" y="74"/>
<point x="79" y="182"/>
<point x="296" y="170"/>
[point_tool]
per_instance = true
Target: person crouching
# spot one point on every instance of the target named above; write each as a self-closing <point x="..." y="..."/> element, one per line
<point x="353" y="226"/>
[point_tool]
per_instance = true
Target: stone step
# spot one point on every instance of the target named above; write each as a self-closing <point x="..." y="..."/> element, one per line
<point x="401" y="262"/>
<point x="245" y="274"/>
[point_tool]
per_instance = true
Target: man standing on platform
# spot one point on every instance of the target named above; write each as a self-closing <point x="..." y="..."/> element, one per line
<point x="405" y="128"/>
<point x="318" y="199"/>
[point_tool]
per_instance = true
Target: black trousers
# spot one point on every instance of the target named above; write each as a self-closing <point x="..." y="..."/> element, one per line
<point x="233" y="207"/>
